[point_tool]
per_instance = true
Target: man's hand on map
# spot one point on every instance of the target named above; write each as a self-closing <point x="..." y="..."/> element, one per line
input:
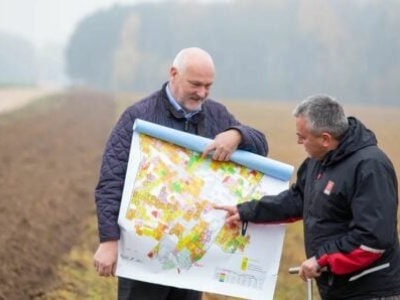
<point x="105" y="258"/>
<point x="224" y="145"/>
<point x="232" y="218"/>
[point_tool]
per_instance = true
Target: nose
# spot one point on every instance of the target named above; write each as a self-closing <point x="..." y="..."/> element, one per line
<point x="202" y="92"/>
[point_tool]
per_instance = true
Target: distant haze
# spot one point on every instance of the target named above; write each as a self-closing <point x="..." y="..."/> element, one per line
<point x="49" y="21"/>
<point x="263" y="49"/>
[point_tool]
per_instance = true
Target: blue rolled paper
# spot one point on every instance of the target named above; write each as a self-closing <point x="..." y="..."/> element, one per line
<point x="197" y="143"/>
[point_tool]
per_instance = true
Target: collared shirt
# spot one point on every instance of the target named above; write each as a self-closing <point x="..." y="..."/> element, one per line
<point x="177" y="106"/>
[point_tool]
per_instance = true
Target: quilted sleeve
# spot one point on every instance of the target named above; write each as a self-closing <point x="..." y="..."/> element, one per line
<point x="109" y="189"/>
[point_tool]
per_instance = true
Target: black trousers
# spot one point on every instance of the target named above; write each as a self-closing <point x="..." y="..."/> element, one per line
<point x="387" y="298"/>
<point x="129" y="289"/>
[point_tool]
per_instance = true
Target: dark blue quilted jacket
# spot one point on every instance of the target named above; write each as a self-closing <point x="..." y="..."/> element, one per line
<point x="213" y="119"/>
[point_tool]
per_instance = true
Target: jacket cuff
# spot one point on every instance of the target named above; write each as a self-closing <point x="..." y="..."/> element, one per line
<point x="109" y="233"/>
<point x="242" y="211"/>
<point x="322" y="260"/>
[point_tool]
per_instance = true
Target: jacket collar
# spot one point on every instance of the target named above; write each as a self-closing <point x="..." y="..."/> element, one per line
<point x="171" y="111"/>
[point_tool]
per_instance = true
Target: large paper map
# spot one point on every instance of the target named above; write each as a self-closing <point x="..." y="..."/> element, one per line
<point x="172" y="235"/>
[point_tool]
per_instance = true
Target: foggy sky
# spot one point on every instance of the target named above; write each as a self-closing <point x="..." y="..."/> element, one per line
<point x="44" y="22"/>
<point x="48" y="21"/>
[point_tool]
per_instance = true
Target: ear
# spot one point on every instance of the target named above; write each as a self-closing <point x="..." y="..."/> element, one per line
<point x="172" y="73"/>
<point x="327" y="139"/>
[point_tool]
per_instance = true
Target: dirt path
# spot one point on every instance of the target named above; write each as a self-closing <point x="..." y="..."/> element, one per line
<point x="14" y="98"/>
<point x="49" y="163"/>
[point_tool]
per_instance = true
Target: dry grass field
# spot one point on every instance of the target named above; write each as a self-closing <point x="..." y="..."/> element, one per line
<point x="50" y="159"/>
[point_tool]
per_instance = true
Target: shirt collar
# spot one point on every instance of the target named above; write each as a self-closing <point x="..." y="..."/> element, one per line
<point x="177" y="106"/>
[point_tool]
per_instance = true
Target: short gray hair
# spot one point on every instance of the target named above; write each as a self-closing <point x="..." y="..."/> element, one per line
<point x="188" y="55"/>
<point x="324" y="114"/>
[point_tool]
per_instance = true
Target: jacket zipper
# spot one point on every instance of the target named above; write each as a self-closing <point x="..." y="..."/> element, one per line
<point x="186" y="125"/>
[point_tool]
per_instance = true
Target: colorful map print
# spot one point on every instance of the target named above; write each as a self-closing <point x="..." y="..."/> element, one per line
<point x="172" y="202"/>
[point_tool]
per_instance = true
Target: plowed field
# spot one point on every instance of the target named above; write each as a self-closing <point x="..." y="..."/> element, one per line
<point x="49" y="160"/>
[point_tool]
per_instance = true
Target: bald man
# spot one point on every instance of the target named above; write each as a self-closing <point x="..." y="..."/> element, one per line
<point x="183" y="104"/>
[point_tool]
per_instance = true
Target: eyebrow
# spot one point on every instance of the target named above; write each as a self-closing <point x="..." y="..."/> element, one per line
<point x="300" y="135"/>
<point x="195" y="82"/>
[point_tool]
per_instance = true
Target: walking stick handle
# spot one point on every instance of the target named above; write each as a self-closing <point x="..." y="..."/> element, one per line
<point x="294" y="270"/>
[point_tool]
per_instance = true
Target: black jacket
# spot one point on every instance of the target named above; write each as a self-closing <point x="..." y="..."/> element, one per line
<point x="213" y="119"/>
<point x="348" y="202"/>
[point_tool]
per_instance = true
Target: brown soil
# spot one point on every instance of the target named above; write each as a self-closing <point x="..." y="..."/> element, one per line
<point x="49" y="160"/>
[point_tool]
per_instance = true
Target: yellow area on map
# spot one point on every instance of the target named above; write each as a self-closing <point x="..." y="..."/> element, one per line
<point x="172" y="202"/>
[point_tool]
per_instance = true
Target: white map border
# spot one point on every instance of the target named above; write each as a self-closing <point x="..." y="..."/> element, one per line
<point x="269" y="245"/>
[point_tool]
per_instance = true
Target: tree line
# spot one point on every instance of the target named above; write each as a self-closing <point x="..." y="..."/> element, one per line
<point x="275" y="49"/>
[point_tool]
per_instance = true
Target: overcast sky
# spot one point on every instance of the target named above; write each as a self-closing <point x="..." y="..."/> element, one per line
<point x="52" y="21"/>
<point x="49" y="21"/>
